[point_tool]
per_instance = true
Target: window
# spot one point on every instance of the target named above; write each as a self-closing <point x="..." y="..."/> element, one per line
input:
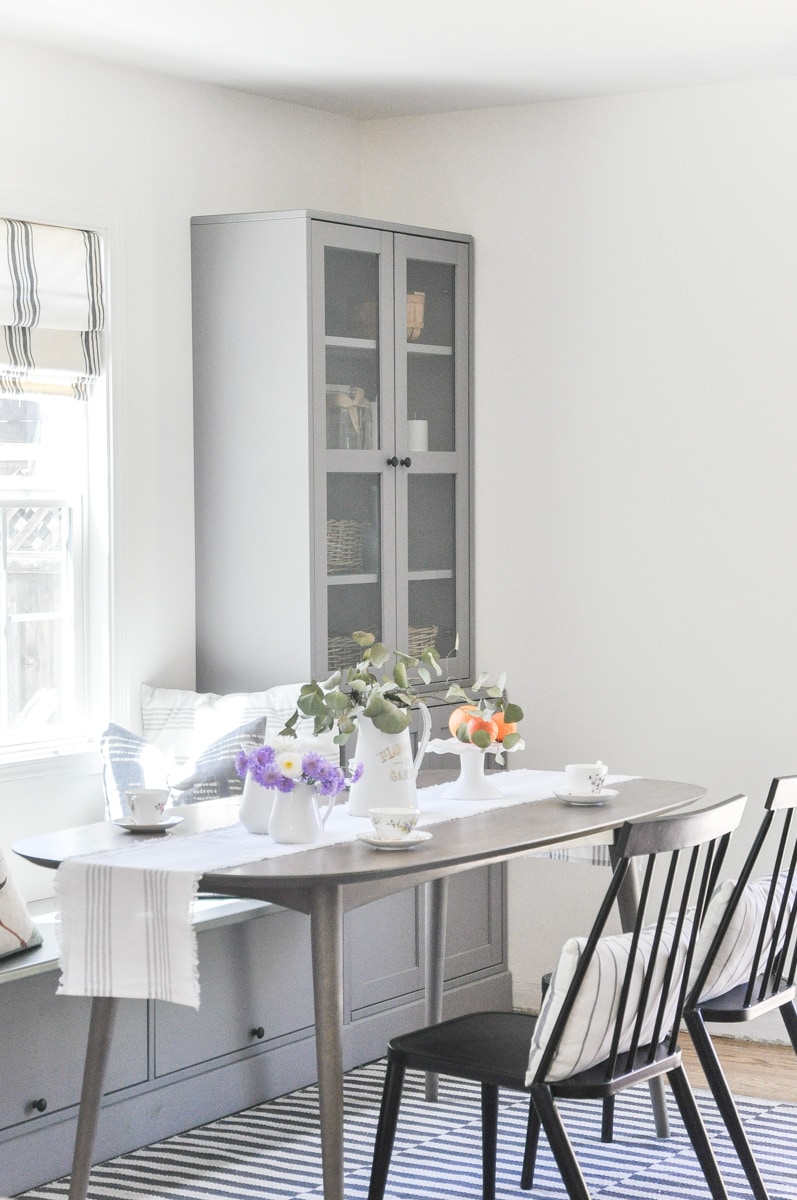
<point x="51" y="310"/>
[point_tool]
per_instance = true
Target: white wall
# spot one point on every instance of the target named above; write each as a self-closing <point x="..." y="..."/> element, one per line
<point x="84" y="141"/>
<point x="636" y="307"/>
<point x="636" y="425"/>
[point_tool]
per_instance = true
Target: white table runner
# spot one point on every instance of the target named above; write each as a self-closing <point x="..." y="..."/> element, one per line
<point x="125" y="925"/>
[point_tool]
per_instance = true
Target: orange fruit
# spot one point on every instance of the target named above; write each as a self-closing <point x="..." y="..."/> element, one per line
<point x="503" y="727"/>
<point x="486" y="723"/>
<point x="459" y="716"/>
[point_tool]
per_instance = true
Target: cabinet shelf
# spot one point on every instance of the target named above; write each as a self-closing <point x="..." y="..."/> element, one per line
<point x="369" y="345"/>
<point x="351" y="580"/>
<point x="416" y="576"/>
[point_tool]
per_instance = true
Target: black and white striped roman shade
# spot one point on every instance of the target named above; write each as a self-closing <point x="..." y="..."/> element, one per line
<point x="52" y="308"/>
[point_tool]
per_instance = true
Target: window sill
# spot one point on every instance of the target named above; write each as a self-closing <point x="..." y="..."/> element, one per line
<point x="69" y="759"/>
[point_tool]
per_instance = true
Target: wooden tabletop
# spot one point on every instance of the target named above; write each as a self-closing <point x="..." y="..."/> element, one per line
<point x="491" y="836"/>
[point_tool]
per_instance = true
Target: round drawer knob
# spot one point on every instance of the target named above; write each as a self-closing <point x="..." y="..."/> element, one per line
<point x="258" y="1032"/>
<point x="393" y="461"/>
<point x="406" y="462"/>
<point x="39" y="1105"/>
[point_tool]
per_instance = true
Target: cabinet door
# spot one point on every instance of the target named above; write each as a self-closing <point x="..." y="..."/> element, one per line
<point x="384" y="951"/>
<point x="44" y="1044"/>
<point x="353" y="406"/>
<point x="391" y="450"/>
<point x="475" y="926"/>
<point x="432" y="437"/>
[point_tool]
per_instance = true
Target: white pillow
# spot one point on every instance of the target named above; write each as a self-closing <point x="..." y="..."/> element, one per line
<point x="182" y="724"/>
<point x="734" y="959"/>
<point x="588" y="1033"/>
<point x="17" y="930"/>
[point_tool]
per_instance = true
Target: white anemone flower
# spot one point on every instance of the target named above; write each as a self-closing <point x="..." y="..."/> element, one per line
<point x="290" y="764"/>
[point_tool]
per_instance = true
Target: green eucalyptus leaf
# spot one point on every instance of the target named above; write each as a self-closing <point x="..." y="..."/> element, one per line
<point x="455" y="692"/>
<point x="334" y="681"/>
<point x="358" y="685"/>
<point x="513" y="712"/>
<point x="338" y="702"/>
<point x="363" y="638"/>
<point x="424" y="674"/>
<point x="480" y="738"/>
<point x="462" y="732"/>
<point x="400" y="674"/>
<point x="480" y="682"/>
<point x="392" y="719"/>
<point x="375" y="705"/>
<point x="378" y="655"/>
<point x="501" y="681"/>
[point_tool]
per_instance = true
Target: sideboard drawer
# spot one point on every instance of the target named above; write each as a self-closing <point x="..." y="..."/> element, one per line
<point x="253" y="976"/>
<point x="44" y="1044"/>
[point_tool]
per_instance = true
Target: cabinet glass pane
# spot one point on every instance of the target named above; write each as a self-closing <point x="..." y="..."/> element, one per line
<point x="432" y="562"/>
<point x="351" y="338"/>
<point x="430" y="355"/>
<point x="354" y="573"/>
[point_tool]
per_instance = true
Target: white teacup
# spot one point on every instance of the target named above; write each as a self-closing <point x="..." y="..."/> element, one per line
<point x="146" y="805"/>
<point x="586" y="779"/>
<point x="393" y="823"/>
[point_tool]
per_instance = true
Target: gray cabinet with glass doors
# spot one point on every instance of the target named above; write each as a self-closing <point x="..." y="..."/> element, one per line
<point x="376" y="321"/>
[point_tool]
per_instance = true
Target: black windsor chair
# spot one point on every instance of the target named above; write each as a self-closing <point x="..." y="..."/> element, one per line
<point x="751" y="964"/>
<point x="636" y="980"/>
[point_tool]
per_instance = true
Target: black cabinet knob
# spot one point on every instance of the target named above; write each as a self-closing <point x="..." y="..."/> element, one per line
<point x="406" y="462"/>
<point x="39" y="1105"/>
<point x="393" y="462"/>
<point x="258" y="1032"/>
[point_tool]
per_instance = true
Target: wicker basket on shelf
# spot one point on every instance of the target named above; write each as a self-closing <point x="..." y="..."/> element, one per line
<point x="345" y="545"/>
<point x="342" y="652"/>
<point x="420" y="638"/>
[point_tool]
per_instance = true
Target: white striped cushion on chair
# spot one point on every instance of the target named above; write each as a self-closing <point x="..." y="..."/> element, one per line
<point x="734" y="958"/>
<point x="588" y="1033"/>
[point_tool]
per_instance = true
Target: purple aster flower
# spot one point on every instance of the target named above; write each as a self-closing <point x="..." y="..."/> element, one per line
<point x="242" y="763"/>
<point x="356" y="772"/>
<point x="313" y="765"/>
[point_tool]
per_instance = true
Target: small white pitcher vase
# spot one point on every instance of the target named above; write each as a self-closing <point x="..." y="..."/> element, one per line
<point x="256" y="805"/>
<point x="295" y="817"/>
<point x="389" y="773"/>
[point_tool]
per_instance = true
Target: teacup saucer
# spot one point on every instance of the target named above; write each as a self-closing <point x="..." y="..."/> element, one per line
<point x="158" y="827"/>
<point x="588" y="800"/>
<point x="405" y="843"/>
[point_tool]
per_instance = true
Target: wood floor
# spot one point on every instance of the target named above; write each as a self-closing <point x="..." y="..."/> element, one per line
<point x="752" y="1068"/>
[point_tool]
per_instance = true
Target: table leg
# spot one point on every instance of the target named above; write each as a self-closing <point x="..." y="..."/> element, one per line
<point x="103" y="1015"/>
<point x="326" y="932"/>
<point x="628" y="905"/>
<point x="436" y="911"/>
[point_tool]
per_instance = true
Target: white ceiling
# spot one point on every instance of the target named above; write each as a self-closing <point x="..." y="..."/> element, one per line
<point x="374" y="58"/>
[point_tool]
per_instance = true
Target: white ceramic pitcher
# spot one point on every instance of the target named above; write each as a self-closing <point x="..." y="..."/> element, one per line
<point x="389" y="773"/>
<point x="296" y="817"/>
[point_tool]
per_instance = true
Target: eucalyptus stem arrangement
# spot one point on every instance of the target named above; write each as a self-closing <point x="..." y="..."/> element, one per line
<point x="365" y="689"/>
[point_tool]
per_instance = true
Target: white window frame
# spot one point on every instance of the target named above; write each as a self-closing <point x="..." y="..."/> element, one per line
<point x="94" y="573"/>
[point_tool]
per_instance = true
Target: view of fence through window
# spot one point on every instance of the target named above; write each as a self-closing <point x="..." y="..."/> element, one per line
<point x="42" y="500"/>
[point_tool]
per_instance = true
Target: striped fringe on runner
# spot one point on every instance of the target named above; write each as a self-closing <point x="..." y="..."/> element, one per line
<point x="272" y="1152"/>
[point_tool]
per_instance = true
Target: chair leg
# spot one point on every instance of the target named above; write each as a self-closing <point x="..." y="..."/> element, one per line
<point x="715" y="1076"/>
<point x="530" y="1152"/>
<point x="386" y="1129"/>
<point x="698" y="1135"/>
<point x="560" y="1143"/>
<point x="489" y="1139"/>
<point x="607" y="1120"/>
<point x="789" y="1014"/>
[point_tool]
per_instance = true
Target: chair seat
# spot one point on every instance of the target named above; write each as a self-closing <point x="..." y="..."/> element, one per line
<point x="592" y="1084"/>
<point x="489" y="1046"/>
<point x="731" y="1007"/>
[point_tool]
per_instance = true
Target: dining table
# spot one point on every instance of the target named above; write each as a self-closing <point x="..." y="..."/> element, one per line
<point x="325" y="881"/>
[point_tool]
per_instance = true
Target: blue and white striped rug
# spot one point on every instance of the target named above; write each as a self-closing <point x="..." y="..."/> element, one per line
<point x="272" y="1152"/>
